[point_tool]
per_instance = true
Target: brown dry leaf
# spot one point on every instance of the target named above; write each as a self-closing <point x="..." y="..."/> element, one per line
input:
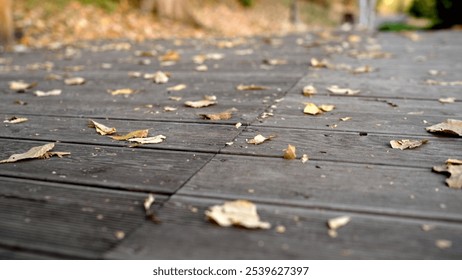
<point x="223" y="116"/>
<point x="122" y="91"/>
<point x="177" y="87"/>
<point x="74" y="81"/>
<point x="148" y="202"/>
<point x="305" y="158"/>
<point x="148" y="140"/>
<point x="407" y="144"/>
<point x="200" y="103"/>
<point x="169" y="109"/>
<point x="324" y="63"/>
<point x="312" y="109"/>
<point x="309" y="90"/>
<point x="15" y="120"/>
<point x="170" y="55"/>
<point x="54" y="92"/>
<point x="251" y="87"/>
<point x="363" y="69"/>
<point x="450" y="127"/>
<point x="289" y="153"/>
<point x="354" y="38"/>
<point x="338" y="222"/>
<point x="134" y="134"/>
<point x="259" y="139"/>
<point x="35" y="152"/>
<point x="101" y="129"/>
<point x="447" y="100"/>
<point x="58" y="154"/>
<point x="241" y="213"/>
<point x="443" y="244"/>
<point x="345" y="91"/>
<point x="21" y="86"/>
<point x="454" y="168"/>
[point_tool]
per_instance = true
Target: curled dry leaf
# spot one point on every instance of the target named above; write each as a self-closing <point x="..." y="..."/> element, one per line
<point x="148" y="202"/>
<point x="54" y="92"/>
<point x="21" y="86"/>
<point x="289" y="153"/>
<point x="148" y="140"/>
<point x="309" y="90"/>
<point x="74" y="81"/>
<point x="15" y="120"/>
<point x="134" y="134"/>
<point x="450" y="127"/>
<point x="313" y="109"/>
<point x="447" y="100"/>
<point x="241" y="213"/>
<point x="251" y="87"/>
<point x="223" y="116"/>
<point x="344" y="91"/>
<point x="338" y="222"/>
<point x="407" y="144"/>
<point x="326" y="107"/>
<point x="122" y="91"/>
<point x="259" y="139"/>
<point x="35" y="152"/>
<point x="177" y="87"/>
<point x="101" y="129"/>
<point x="454" y="168"/>
<point x="238" y="125"/>
<point x="170" y="55"/>
<point x="200" y="103"/>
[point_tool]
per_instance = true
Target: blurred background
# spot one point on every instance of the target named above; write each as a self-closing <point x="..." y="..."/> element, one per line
<point x="39" y="23"/>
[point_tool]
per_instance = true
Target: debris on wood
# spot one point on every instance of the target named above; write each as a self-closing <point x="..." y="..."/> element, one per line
<point x="344" y="91"/>
<point x="134" y="74"/>
<point x="148" y="202"/>
<point x="202" y="68"/>
<point x="169" y="109"/>
<point x="305" y="158"/>
<point x="74" y="81"/>
<point x="177" y="87"/>
<point x="119" y="234"/>
<point x="251" y="87"/>
<point x="443" y="83"/>
<point x="223" y="116"/>
<point x="202" y="58"/>
<point x="443" y="244"/>
<point x="274" y="61"/>
<point x="148" y="140"/>
<point x="101" y="129"/>
<point x="309" y="90"/>
<point x="313" y="109"/>
<point x="338" y="222"/>
<point x="200" y="103"/>
<point x="323" y="63"/>
<point x="210" y="97"/>
<point x="289" y="153"/>
<point x="407" y="144"/>
<point x="280" y="229"/>
<point x="160" y="77"/>
<point x="449" y="127"/>
<point x="427" y="227"/>
<point x="454" y="168"/>
<point x="447" y="100"/>
<point x="40" y="152"/>
<point x="175" y="98"/>
<point x="170" y="55"/>
<point x="238" y="125"/>
<point x="15" y="120"/>
<point x="241" y="213"/>
<point x="122" y="91"/>
<point x="363" y="69"/>
<point x="54" y="92"/>
<point x="134" y="134"/>
<point x="259" y="139"/>
<point x="345" y="119"/>
<point x="21" y="86"/>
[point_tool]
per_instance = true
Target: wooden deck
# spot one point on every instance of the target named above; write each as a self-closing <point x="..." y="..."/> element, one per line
<point x="78" y="206"/>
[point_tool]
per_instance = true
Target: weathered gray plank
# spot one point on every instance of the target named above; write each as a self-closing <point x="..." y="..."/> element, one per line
<point x="65" y="221"/>
<point x="125" y="168"/>
<point x="187" y="235"/>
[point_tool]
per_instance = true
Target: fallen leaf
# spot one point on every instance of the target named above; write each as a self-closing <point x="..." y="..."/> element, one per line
<point x="280" y="229"/>
<point x="251" y="87"/>
<point x="426" y="227"/>
<point x="35" y="152"/>
<point x="210" y="97"/>
<point x="407" y="144"/>
<point x="177" y="87"/>
<point x="338" y="222"/>
<point x="345" y="119"/>
<point x="200" y="103"/>
<point x="15" y="120"/>
<point x="148" y="140"/>
<point x="175" y="98"/>
<point x="148" y="202"/>
<point x="160" y="77"/>
<point x="101" y="129"/>
<point x="122" y="91"/>
<point x="344" y="91"/>
<point x="134" y="134"/>
<point x="150" y="53"/>
<point x="312" y="109"/>
<point x="119" y="235"/>
<point x="259" y="139"/>
<point x="447" y="100"/>
<point x="434" y="72"/>
<point x="201" y="58"/>
<point x="241" y="213"/>
<point x="226" y="115"/>
<point x="363" y="69"/>
<point x="454" y="168"/>
<point x="74" y="81"/>
<point x="134" y="74"/>
<point x="169" y="109"/>
<point x="289" y="153"/>
<point x="413" y="36"/>
<point x="58" y="154"/>
<point x="443" y="244"/>
<point x="450" y="127"/>
<point x="202" y="68"/>
<point x="354" y="38"/>
<point x="324" y="63"/>
<point x="309" y="90"/>
<point x="54" y="92"/>
<point x="305" y="158"/>
<point x="275" y="61"/>
<point x="170" y="55"/>
<point x="332" y="233"/>
<point x="326" y="107"/>
<point x="20" y="86"/>
<point x="238" y="125"/>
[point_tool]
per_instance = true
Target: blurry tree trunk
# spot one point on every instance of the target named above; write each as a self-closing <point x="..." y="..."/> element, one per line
<point x="180" y="10"/>
<point x="294" y="13"/>
<point x="6" y="23"/>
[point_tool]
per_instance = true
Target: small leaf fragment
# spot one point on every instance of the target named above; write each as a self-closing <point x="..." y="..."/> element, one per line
<point x="309" y="90"/>
<point x="450" y="127"/>
<point x="170" y="55"/>
<point x="454" y="168"/>
<point x="200" y="103"/>
<point x="363" y="69"/>
<point x="326" y="107"/>
<point x="148" y="140"/>
<point x="54" y="92"/>
<point x="407" y="144"/>
<point x="177" y="87"/>
<point x="289" y="153"/>
<point x="148" y="202"/>
<point x="345" y="119"/>
<point x="447" y="100"/>
<point x="324" y="63"/>
<point x="238" y="125"/>
<point x="202" y="68"/>
<point x="344" y="91"/>
<point x="21" y="86"/>
<point x="16" y="120"/>
<point x="275" y="61"/>
<point x="35" y="152"/>
<point x="312" y="109"/>
<point x="101" y="129"/>
<point x="305" y="158"/>
<point x="223" y="116"/>
<point x="240" y="213"/>
<point x="443" y="244"/>
<point x="259" y="139"/>
<point x="122" y="91"/>
<point x="242" y="87"/>
<point x="169" y="109"/>
<point x="74" y="81"/>
<point x="338" y="222"/>
<point x="160" y="77"/>
<point x="134" y="134"/>
<point x="175" y="98"/>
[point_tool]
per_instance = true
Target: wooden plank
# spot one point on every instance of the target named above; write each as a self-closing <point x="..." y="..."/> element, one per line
<point x="383" y="190"/>
<point x="188" y="235"/>
<point x="65" y="221"/>
<point x="180" y="136"/>
<point x="15" y="254"/>
<point x="125" y="168"/>
<point x="346" y="147"/>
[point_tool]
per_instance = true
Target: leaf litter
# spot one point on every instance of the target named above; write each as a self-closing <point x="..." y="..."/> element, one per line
<point x="54" y="92"/>
<point x="21" y="86"/>
<point x="74" y="81"/>
<point x="454" y="168"/>
<point x="241" y="213"/>
<point x="101" y="129"/>
<point x="313" y="109"/>
<point x="134" y="134"/>
<point x="343" y="91"/>
<point x="177" y="87"/>
<point x="289" y="153"/>
<point x="200" y="103"/>
<point x="309" y="90"/>
<point x="259" y="139"/>
<point x="122" y="91"/>
<point x="407" y="144"/>
<point x="449" y="127"/>
<point x="39" y="152"/>
<point x="16" y="120"/>
<point x="223" y="116"/>
<point x="148" y="140"/>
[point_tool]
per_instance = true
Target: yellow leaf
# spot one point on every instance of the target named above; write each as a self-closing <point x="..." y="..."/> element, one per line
<point x="134" y="134"/>
<point x="219" y="116"/>
<point x="338" y="222"/>
<point x="20" y="86"/>
<point x="40" y="93"/>
<point x="344" y="91"/>
<point x="101" y="129"/>
<point x="169" y="109"/>
<point x="312" y="109"/>
<point x="241" y="213"/>
<point x="319" y="63"/>
<point x="326" y="108"/>
<point x="447" y="100"/>
<point x="289" y="153"/>
<point x="345" y="119"/>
